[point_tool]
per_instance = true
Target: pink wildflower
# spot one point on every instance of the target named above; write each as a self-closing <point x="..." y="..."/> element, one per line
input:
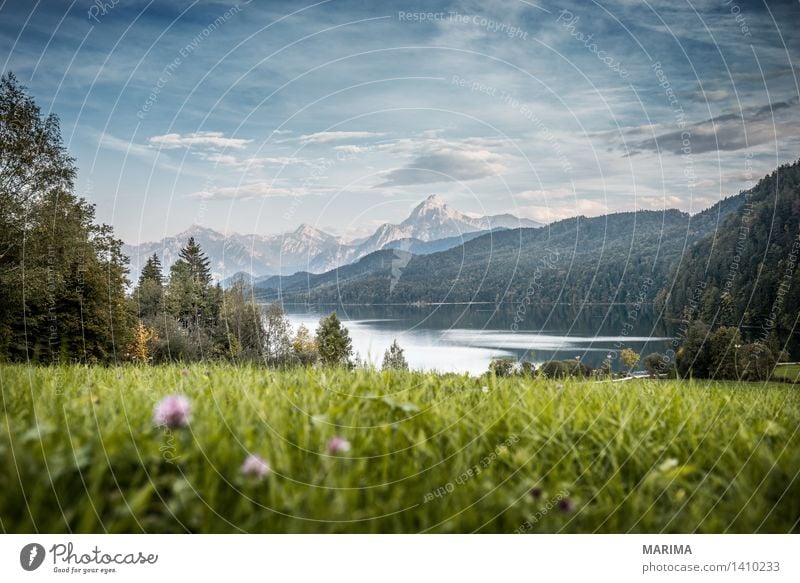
<point x="338" y="445"/>
<point x="172" y="412"/>
<point x="255" y="466"/>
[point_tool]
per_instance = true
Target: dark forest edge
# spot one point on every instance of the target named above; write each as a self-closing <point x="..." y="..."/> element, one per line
<point x="728" y="275"/>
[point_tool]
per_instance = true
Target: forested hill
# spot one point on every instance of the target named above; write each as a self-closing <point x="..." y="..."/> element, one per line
<point x="613" y="258"/>
<point x="746" y="272"/>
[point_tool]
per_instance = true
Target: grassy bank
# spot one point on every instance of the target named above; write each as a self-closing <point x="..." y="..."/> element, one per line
<point x="79" y="452"/>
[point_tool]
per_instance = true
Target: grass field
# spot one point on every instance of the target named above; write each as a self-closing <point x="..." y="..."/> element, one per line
<point x="788" y="371"/>
<point x="79" y="452"/>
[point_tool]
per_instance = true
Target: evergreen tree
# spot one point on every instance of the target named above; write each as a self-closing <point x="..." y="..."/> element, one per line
<point x="190" y="296"/>
<point x="197" y="262"/>
<point x="149" y="293"/>
<point x="393" y="358"/>
<point x="333" y="342"/>
<point x="152" y="271"/>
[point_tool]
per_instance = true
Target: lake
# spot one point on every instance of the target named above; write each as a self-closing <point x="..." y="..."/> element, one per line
<point x="465" y="338"/>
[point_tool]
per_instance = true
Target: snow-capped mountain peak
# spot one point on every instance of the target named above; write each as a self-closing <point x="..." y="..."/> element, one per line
<point x="310" y="249"/>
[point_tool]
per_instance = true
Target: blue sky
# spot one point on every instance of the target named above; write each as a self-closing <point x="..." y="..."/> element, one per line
<point x="254" y="117"/>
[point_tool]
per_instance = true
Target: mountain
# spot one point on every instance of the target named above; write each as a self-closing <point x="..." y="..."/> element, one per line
<point x="309" y="249"/>
<point x="622" y="257"/>
<point x="745" y="273"/>
<point x="381" y="268"/>
<point x="303" y="248"/>
<point x="432" y="219"/>
<point x="420" y="247"/>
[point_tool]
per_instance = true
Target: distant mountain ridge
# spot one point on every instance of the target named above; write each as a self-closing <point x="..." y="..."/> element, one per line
<point x="621" y="257"/>
<point x="309" y="249"/>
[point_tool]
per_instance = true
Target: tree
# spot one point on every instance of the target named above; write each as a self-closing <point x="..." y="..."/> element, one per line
<point x="629" y="358"/>
<point x="693" y="357"/>
<point x="393" y="358"/>
<point x="149" y="292"/>
<point x="333" y="342"/>
<point x="198" y="264"/>
<point x="141" y="346"/>
<point x="190" y="296"/>
<point x="755" y="362"/>
<point x="503" y="367"/>
<point x="67" y="301"/>
<point x="152" y="271"/>
<point x="654" y="364"/>
<point x="304" y="346"/>
<point x="723" y="348"/>
<point x="277" y="336"/>
<point x="242" y="322"/>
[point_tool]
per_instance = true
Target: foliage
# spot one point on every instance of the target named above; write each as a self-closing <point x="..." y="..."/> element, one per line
<point x="393" y="358"/>
<point x="333" y="342"/>
<point x="655" y="364"/>
<point x="140" y="348"/>
<point x="278" y="336"/>
<point x="745" y="273"/>
<point x="304" y="347"/>
<point x="560" y="369"/>
<point x="503" y="367"/>
<point x="629" y="358"/>
<point x="62" y="275"/>
<point x="621" y="257"/>
<point x="85" y="456"/>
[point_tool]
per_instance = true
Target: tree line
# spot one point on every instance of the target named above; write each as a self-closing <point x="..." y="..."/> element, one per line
<point x="63" y="276"/>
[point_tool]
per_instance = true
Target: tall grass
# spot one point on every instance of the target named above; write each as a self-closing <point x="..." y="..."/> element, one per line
<point x="79" y="452"/>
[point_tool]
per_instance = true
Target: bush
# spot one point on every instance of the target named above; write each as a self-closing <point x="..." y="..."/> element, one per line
<point x="559" y="369"/>
<point x="655" y="364"/>
<point x="503" y="367"/>
<point x="755" y="362"/>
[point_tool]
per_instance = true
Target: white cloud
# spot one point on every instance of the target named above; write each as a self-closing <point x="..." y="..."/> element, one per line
<point x="443" y="161"/>
<point x="325" y="137"/>
<point x="199" y="139"/>
<point x="565" y="210"/>
<point x="254" y="190"/>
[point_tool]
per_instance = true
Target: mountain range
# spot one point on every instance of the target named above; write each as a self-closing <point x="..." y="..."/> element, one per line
<point x="432" y="226"/>
<point x="616" y="258"/>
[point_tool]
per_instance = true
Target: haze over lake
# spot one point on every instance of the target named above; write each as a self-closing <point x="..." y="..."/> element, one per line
<point x="465" y="338"/>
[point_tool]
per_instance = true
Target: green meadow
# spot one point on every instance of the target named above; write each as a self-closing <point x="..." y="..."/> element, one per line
<point x="80" y="452"/>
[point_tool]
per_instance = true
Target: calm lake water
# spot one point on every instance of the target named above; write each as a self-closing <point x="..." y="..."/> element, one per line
<point x="465" y="338"/>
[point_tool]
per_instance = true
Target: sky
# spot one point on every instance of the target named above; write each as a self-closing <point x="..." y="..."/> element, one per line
<point x="255" y="117"/>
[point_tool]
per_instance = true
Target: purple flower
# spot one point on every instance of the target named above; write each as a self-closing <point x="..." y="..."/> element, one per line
<point x="338" y="445"/>
<point x="184" y="373"/>
<point x="172" y="412"/>
<point x="536" y="492"/>
<point x="255" y="466"/>
<point x="565" y="505"/>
